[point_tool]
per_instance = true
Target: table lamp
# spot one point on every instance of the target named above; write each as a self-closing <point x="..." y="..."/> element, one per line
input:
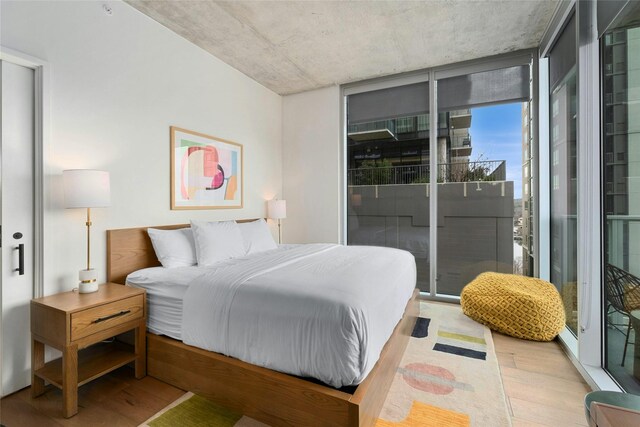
<point x="277" y="209"/>
<point x="86" y="188"/>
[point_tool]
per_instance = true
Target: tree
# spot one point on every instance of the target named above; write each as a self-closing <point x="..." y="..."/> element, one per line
<point x="374" y="172"/>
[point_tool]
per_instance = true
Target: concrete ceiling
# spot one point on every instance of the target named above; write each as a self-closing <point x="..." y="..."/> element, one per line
<point x="295" y="46"/>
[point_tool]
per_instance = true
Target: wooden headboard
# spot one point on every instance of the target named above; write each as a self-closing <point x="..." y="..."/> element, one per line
<point x="130" y="249"/>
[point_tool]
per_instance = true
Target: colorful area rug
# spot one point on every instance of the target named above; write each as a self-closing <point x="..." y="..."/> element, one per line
<point x="449" y="376"/>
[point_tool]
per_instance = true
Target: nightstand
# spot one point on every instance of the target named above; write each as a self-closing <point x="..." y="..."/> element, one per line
<point x="76" y="324"/>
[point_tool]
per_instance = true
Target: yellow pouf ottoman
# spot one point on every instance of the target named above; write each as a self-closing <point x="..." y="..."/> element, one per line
<point x="523" y="307"/>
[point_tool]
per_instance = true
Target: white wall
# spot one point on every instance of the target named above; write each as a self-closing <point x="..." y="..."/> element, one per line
<point x="117" y="83"/>
<point x="311" y="175"/>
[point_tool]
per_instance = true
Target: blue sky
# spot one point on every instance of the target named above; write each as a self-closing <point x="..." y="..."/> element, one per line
<point x="496" y="134"/>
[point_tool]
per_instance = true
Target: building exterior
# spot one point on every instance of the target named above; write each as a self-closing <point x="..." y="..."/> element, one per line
<point x="404" y="141"/>
<point x="527" y="220"/>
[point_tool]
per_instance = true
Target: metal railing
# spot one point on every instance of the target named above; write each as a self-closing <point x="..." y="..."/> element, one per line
<point x="493" y="170"/>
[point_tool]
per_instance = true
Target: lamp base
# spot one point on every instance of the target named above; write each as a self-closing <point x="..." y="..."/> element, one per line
<point x="88" y="281"/>
<point x="87" y="288"/>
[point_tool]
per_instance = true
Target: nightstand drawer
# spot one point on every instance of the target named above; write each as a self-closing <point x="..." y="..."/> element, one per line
<point x="90" y="321"/>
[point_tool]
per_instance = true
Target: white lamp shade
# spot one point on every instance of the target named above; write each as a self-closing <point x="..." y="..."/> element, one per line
<point x="277" y="209"/>
<point x="86" y="188"/>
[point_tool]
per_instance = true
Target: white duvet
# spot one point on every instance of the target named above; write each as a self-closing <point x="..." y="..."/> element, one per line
<point x="321" y="311"/>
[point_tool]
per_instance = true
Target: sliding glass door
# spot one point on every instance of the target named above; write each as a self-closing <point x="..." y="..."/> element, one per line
<point x="621" y="204"/>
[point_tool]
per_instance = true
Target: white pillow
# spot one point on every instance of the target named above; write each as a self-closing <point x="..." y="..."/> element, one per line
<point x="256" y="236"/>
<point x="217" y="241"/>
<point x="174" y="248"/>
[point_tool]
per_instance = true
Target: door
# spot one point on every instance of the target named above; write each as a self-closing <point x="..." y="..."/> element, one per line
<point x="16" y="220"/>
<point x="621" y="207"/>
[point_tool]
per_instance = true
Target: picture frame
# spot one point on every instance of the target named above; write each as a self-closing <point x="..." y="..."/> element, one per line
<point x="206" y="172"/>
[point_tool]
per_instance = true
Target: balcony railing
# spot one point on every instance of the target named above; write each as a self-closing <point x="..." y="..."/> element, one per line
<point x="494" y="170"/>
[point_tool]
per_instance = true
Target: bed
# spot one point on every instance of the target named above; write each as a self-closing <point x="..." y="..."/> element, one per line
<point x="267" y="395"/>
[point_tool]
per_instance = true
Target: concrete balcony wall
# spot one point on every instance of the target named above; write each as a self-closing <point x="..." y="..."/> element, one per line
<point x="475" y="228"/>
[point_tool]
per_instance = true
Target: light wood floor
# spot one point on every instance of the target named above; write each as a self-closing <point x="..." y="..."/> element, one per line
<point x="541" y="384"/>
<point x="114" y="400"/>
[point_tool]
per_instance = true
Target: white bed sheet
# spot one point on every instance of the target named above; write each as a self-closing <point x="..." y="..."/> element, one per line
<point x="321" y="311"/>
<point x="165" y="290"/>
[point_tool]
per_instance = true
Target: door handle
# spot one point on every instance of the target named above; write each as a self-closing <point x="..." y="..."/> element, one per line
<point x="20" y="268"/>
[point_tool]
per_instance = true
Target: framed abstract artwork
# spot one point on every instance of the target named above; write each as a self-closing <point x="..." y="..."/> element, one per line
<point x="206" y="172"/>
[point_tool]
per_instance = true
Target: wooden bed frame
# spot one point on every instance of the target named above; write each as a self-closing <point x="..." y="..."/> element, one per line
<point x="271" y="397"/>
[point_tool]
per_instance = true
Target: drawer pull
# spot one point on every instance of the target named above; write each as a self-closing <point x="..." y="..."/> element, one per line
<point x="111" y="316"/>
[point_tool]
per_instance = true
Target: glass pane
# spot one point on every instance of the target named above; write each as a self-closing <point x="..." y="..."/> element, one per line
<point x="388" y="173"/>
<point x="563" y="169"/>
<point x="480" y="193"/>
<point x="621" y="166"/>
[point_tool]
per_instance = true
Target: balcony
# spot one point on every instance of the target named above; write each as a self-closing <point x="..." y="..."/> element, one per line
<point x="493" y="170"/>
<point x="370" y="135"/>
<point x="461" y="146"/>
<point x="460" y="121"/>
<point x="398" y="128"/>
<point x="382" y="129"/>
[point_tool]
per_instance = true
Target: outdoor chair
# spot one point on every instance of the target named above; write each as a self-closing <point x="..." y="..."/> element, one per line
<point x="623" y="296"/>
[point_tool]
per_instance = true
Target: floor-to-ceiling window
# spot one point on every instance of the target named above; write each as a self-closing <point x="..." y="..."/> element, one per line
<point x="591" y="87"/>
<point x="620" y="59"/>
<point x="451" y="181"/>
